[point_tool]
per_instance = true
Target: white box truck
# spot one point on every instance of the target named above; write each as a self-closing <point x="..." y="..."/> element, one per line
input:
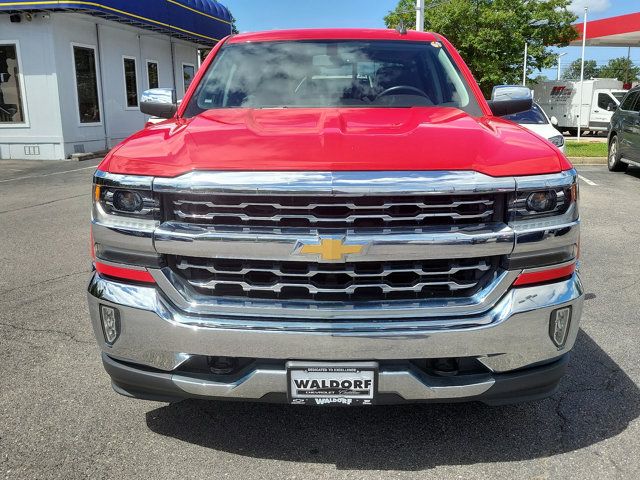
<point x="561" y="99"/>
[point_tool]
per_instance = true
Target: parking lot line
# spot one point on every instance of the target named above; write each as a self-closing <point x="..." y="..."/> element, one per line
<point x="45" y="174"/>
<point x="587" y="181"/>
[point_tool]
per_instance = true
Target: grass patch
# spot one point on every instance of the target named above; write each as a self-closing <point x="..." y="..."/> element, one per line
<point x="586" y="149"/>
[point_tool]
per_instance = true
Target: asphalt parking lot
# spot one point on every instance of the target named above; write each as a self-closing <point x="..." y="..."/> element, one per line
<point x="59" y="417"/>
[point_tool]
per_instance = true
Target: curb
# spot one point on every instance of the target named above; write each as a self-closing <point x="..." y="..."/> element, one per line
<point x="88" y="156"/>
<point x="588" y="160"/>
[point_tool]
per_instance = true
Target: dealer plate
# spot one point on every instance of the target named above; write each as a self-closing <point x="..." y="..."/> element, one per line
<point x="321" y="383"/>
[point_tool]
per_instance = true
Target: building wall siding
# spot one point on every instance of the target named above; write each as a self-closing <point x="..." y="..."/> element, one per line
<point x="37" y="58"/>
<point x="50" y="87"/>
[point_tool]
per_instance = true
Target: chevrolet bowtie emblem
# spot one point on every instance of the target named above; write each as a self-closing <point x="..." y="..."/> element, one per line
<point x="331" y="249"/>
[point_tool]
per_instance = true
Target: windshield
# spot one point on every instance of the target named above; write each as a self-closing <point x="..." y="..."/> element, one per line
<point x="332" y="74"/>
<point x="619" y="94"/>
<point x="535" y="116"/>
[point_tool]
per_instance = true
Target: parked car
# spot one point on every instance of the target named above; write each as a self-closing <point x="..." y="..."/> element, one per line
<point x="624" y="133"/>
<point x="538" y="122"/>
<point x="335" y="217"/>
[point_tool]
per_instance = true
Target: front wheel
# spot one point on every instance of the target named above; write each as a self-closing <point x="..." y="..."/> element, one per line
<point x="614" y="163"/>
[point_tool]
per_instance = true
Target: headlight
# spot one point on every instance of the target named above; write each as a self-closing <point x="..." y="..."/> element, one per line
<point x="531" y="203"/>
<point x="124" y="216"/>
<point x="544" y="201"/>
<point x="557" y="140"/>
<point x="126" y="202"/>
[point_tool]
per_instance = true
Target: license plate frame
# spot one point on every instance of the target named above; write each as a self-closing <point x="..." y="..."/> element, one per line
<point x="347" y="392"/>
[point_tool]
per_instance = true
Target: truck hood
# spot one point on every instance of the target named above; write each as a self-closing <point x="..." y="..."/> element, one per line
<point x="315" y="139"/>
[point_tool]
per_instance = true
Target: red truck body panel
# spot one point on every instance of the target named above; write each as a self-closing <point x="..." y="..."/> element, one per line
<point x="335" y="139"/>
<point x="332" y="34"/>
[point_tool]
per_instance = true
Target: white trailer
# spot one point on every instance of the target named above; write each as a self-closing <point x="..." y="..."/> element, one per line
<point x="561" y="99"/>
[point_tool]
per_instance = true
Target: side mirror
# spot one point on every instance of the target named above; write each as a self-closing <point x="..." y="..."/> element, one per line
<point x="159" y="102"/>
<point x="554" y="121"/>
<point x="510" y="99"/>
<point x="611" y="107"/>
<point x="500" y="108"/>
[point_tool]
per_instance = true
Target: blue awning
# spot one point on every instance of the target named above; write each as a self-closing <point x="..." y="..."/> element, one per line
<point x="200" y="21"/>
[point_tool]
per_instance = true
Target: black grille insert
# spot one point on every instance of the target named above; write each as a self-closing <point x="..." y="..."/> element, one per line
<point x="348" y="282"/>
<point x="343" y="212"/>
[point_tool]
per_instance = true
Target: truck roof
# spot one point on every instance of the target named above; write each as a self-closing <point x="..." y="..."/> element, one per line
<point x="333" y="34"/>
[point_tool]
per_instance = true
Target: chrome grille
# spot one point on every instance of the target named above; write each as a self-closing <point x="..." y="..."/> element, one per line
<point x="333" y="211"/>
<point x="357" y="281"/>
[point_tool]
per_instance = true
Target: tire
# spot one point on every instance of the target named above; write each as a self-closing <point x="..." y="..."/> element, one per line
<point x="613" y="160"/>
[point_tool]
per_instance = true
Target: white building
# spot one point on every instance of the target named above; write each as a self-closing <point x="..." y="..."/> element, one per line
<point x="71" y="75"/>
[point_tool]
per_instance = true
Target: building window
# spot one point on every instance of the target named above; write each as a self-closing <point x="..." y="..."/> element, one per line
<point x="130" y="82"/>
<point x="188" y="72"/>
<point x="84" y="59"/>
<point x="152" y="74"/>
<point x="11" y="104"/>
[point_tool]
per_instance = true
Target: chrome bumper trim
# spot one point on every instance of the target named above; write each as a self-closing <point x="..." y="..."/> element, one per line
<point x="335" y="183"/>
<point x="174" y="238"/>
<point x="256" y="384"/>
<point x="410" y="384"/>
<point x="139" y="182"/>
<point x="513" y="334"/>
<point x="123" y="237"/>
<point x="551" y="180"/>
<point x="181" y="294"/>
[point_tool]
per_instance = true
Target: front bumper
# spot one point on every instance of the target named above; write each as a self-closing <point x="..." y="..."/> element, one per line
<point x="511" y="340"/>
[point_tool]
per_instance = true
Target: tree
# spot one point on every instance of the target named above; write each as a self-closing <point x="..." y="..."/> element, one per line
<point x="621" y="68"/>
<point x="234" y="29"/>
<point x="591" y="70"/>
<point x="491" y="34"/>
<point x="538" y="79"/>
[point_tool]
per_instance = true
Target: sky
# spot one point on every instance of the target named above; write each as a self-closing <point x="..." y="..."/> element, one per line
<point x="599" y="9"/>
<point x="253" y="15"/>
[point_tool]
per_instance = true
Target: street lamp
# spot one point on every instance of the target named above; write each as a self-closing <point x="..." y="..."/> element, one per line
<point x="537" y="23"/>
<point x="560" y="55"/>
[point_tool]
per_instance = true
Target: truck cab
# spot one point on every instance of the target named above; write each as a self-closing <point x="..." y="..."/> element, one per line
<point x="335" y="217"/>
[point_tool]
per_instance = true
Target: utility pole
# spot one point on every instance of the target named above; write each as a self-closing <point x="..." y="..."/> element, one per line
<point x="584" y="44"/>
<point x="627" y="78"/>
<point x="420" y="15"/>
<point x="524" y="68"/>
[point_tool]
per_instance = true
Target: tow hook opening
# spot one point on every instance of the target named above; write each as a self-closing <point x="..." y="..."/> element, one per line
<point x="222" y="365"/>
<point x="451" y="366"/>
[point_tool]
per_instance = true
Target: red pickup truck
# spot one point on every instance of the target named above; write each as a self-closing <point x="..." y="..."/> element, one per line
<point x="335" y="217"/>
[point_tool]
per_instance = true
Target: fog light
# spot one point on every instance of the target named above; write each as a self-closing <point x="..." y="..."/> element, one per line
<point x="559" y="325"/>
<point x="110" y="323"/>
<point x="542" y="201"/>
<point x="127" y="201"/>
